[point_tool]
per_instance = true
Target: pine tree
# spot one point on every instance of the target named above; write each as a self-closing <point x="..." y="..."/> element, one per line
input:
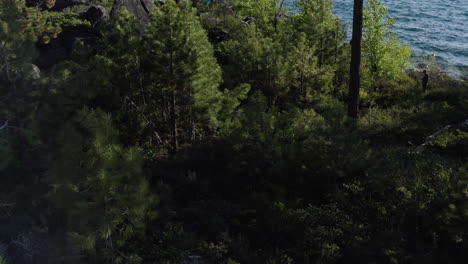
<point x="284" y="69"/>
<point x="184" y="76"/>
<point x="24" y="154"/>
<point x="66" y="177"/>
<point x="100" y="194"/>
<point x="165" y="78"/>
<point x="20" y="96"/>
<point x="266" y="13"/>
<point x="254" y="58"/>
<point x="323" y="29"/>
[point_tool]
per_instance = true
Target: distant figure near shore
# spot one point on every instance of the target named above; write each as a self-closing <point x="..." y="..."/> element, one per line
<point x="425" y="80"/>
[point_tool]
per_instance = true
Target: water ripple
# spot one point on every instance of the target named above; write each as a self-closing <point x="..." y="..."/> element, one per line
<point x="438" y="27"/>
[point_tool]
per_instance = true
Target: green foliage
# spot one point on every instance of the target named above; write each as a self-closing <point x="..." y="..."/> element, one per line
<point x="17" y="46"/>
<point x="215" y="252"/>
<point x="322" y="28"/>
<point x="379" y="122"/>
<point x="178" y="101"/>
<point x="231" y="111"/>
<point x="265" y="13"/>
<point x="384" y="58"/>
<point x="41" y="25"/>
<point x="281" y="71"/>
<point x="183" y="61"/>
<point x="256" y="58"/>
<point x="264" y="166"/>
<point x="22" y="191"/>
<point x="300" y="71"/>
<point x="45" y="25"/>
<point x="99" y="184"/>
<point x="452" y="143"/>
<point x="3" y="260"/>
<point x="442" y="84"/>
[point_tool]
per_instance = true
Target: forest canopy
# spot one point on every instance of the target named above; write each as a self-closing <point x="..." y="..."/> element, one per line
<point x="217" y="131"/>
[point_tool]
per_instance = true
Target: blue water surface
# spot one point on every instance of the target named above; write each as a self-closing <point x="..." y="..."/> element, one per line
<point x="438" y="27"/>
<point x="434" y="27"/>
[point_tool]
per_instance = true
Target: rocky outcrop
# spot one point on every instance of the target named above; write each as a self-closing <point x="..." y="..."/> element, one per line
<point x="140" y="8"/>
<point x="61" y="4"/>
<point x="57" y="5"/>
<point x="422" y="66"/>
<point x="94" y="14"/>
<point x="34" y="72"/>
<point x="193" y="260"/>
<point x="46" y="4"/>
<point x="63" y="47"/>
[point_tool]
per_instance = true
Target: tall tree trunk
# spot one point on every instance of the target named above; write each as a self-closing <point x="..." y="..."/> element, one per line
<point x="175" y="139"/>
<point x="175" y="136"/>
<point x="355" y="80"/>
<point x="277" y="13"/>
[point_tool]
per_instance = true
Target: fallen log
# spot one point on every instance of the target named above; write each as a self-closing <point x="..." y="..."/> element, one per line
<point x="428" y="140"/>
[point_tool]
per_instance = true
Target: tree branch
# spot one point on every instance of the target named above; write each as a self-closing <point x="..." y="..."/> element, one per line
<point x="5" y="125"/>
<point x="428" y="140"/>
<point x="140" y="112"/>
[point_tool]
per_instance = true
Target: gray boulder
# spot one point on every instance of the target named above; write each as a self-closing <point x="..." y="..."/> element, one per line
<point x="94" y="14"/>
<point x="193" y="260"/>
<point x="34" y="72"/>
<point x="61" y="4"/>
<point x="140" y="8"/>
<point x="422" y="66"/>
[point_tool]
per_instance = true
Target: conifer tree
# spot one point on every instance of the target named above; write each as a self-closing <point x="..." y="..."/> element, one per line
<point x="184" y="76"/>
<point x="318" y="32"/>
<point x="265" y="12"/>
<point x="65" y="178"/>
<point x="165" y="78"/>
<point x="281" y="69"/>
<point x="306" y="80"/>
<point x="22" y="189"/>
<point x="323" y="29"/>
<point x="100" y="194"/>
<point x="254" y="58"/>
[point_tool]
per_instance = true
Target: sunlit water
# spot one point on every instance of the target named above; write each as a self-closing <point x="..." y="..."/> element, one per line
<point x="434" y="27"/>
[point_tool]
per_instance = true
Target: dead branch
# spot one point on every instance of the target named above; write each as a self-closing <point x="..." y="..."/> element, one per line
<point x="5" y="125"/>
<point x="428" y="140"/>
<point x="140" y="112"/>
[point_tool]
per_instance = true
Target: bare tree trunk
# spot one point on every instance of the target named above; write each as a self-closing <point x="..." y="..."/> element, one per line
<point x="175" y="139"/>
<point x="355" y="81"/>
<point x="275" y="20"/>
<point x="175" y="143"/>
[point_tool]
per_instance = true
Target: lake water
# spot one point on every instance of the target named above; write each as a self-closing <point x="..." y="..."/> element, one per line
<point x="435" y="27"/>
